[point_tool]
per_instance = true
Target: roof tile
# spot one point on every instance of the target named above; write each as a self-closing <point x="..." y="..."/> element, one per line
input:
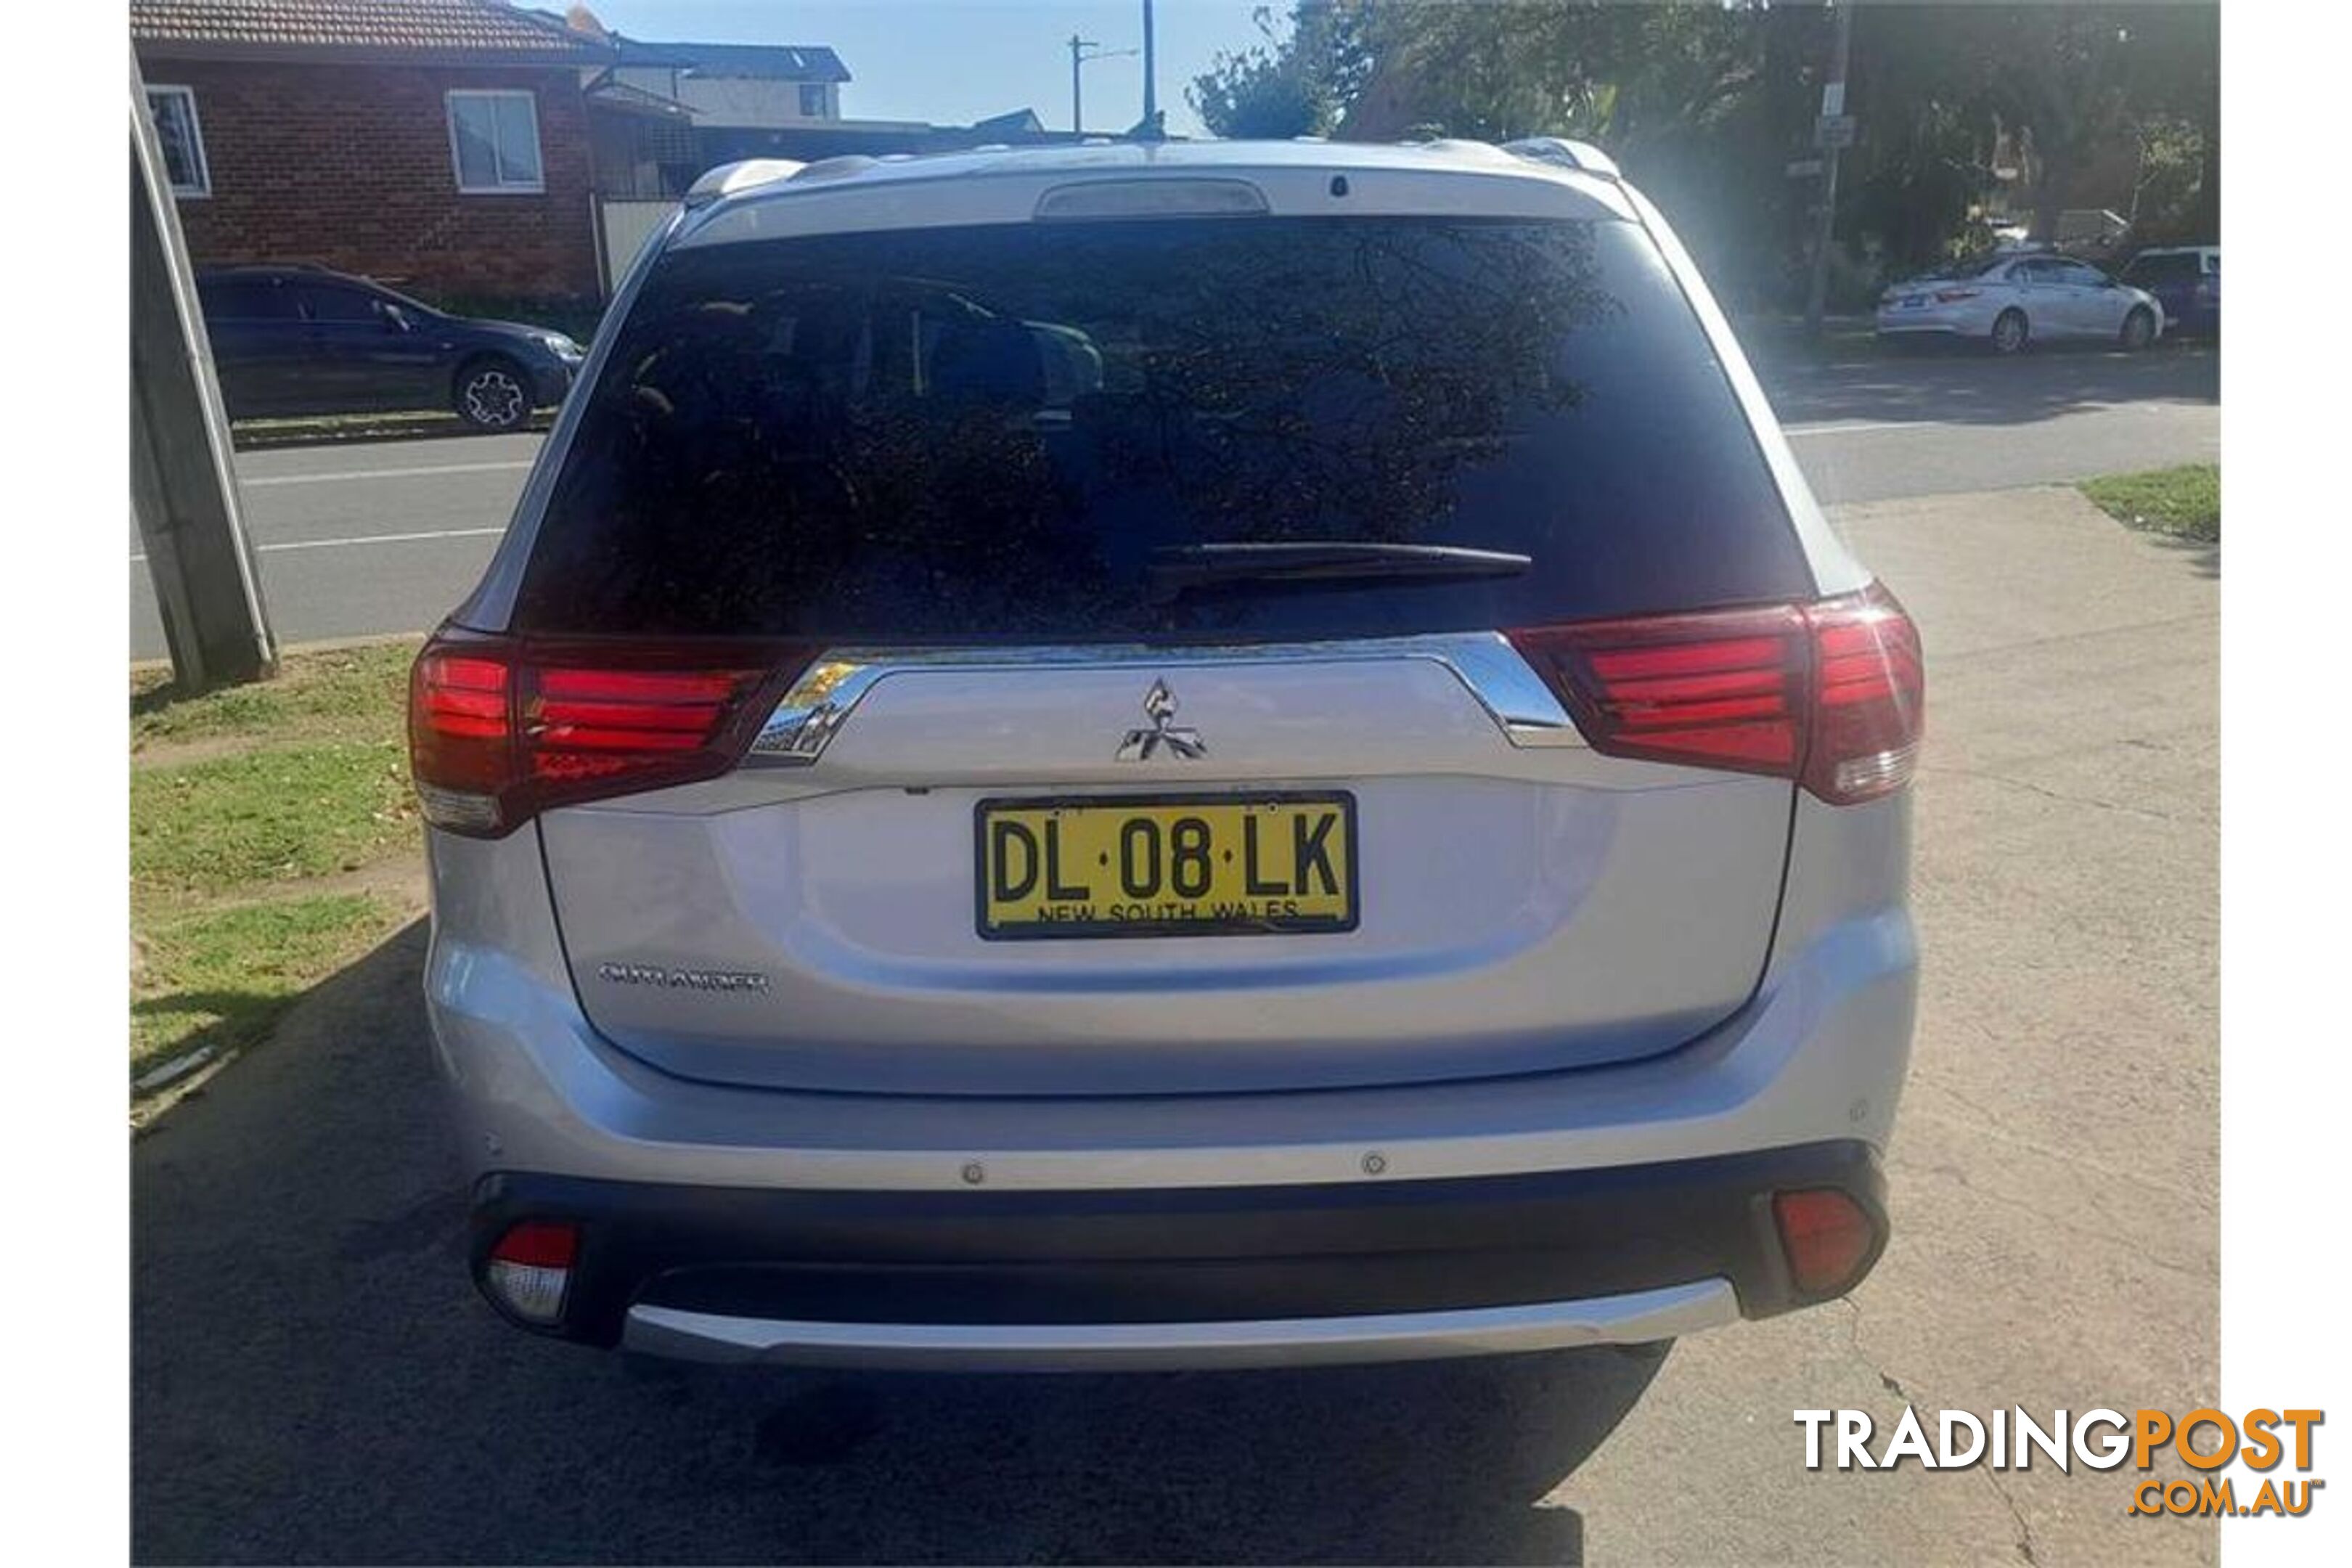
<point x="439" y="27"/>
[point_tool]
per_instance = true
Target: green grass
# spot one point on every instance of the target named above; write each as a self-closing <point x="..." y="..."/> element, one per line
<point x="241" y="800"/>
<point x="350" y="693"/>
<point x="301" y="428"/>
<point x="369" y="420"/>
<point x="222" y="977"/>
<point x="2183" y="502"/>
<point x="218" y="829"/>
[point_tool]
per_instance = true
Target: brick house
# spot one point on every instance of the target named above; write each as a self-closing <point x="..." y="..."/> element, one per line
<point x="439" y="145"/>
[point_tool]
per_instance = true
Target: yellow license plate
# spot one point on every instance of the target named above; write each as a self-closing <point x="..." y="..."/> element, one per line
<point x="1172" y="864"/>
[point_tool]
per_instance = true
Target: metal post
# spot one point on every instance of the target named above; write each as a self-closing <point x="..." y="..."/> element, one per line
<point x="1150" y="77"/>
<point x="1084" y="52"/>
<point x="1833" y="104"/>
<point x="182" y="486"/>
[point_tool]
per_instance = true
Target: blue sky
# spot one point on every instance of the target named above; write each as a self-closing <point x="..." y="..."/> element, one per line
<point x="955" y="61"/>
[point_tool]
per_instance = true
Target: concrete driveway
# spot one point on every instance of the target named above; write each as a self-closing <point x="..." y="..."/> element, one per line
<point x="313" y="1380"/>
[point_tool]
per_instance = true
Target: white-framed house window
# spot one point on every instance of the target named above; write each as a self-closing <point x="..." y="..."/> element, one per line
<point x="812" y="101"/>
<point x="174" y="111"/>
<point x="494" y="141"/>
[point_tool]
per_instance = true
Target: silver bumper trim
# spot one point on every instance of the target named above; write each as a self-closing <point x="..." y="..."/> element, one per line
<point x="828" y="692"/>
<point x="1630" y="1319"/>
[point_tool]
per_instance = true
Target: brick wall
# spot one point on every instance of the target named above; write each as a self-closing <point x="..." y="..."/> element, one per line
<point x="349" y="166"/>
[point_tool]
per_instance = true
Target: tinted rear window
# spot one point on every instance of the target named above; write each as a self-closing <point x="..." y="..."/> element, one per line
<point x="985" y="434"/>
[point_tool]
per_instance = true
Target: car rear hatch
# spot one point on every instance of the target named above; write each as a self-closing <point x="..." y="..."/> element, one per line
<point x="1206" y="655"/>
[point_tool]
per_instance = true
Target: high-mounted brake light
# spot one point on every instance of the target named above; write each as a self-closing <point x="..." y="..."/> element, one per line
<point x="1828" y="693"/>
<point x="499" y="729"/>
<point x="1157" y="196"/>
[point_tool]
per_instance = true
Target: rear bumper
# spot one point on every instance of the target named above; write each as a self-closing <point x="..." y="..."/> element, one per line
<point x="1633" y="1319"/>
<point x="1820" y="1054"/>
<point x="1921" y="323"/>
<point x="1971" y="317"/>
<point x="1220" y="1275"/>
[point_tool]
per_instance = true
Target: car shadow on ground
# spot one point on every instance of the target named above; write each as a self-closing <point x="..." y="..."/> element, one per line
<point x="313" y="1379"/>
<point x="1963" y="383"/>
<point x="2203" y="559"/>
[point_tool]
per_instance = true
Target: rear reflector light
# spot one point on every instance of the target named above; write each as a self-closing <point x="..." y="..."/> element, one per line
<point x="499" y="730"/>
<point x="1828" y="1237"/>
<point x="530" y="1267"/>
<point x="1829" y="693"/>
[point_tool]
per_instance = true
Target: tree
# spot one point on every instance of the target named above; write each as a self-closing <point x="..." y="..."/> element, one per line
<point x="1293" y="86"/>
<point x="2070" y="82"/>
<point x="1706" y="102"/>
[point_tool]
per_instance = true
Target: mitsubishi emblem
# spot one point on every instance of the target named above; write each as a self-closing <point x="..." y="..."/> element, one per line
<point x="1160" y="707"/>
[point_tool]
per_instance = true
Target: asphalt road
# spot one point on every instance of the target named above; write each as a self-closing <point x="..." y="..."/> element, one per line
<point x="313" y="1380"/>
<point x="383" y="537"/>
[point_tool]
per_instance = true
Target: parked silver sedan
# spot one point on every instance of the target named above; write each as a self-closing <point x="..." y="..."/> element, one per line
<point x="2009" y="300"/>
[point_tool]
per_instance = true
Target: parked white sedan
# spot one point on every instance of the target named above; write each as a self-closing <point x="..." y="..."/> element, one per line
<point x="2009" y="300"/>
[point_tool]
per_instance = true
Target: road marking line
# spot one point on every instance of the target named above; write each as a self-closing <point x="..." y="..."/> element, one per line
<point x="384" y="473"/>
<point x="364" y="539"/>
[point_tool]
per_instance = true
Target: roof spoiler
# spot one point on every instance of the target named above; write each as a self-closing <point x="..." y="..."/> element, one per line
<point x="1566" y="154"/>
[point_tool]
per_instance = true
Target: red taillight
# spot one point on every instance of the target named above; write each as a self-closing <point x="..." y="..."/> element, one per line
<point x="1721" y="689"/>
<point x="530" y="1268"/>
<point x="499" y="729"/>
<point x="538" y="1244"/>
<point x="1954" y="296"/>
<point x="1828" y="1237"/>
<point x="1827" y="693"/>
<point x="1869" y="698"/>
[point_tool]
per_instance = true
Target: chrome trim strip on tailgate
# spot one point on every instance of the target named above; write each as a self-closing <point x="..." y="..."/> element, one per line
<point x="807" y="716"/>
<point x="1631" y="1319"/>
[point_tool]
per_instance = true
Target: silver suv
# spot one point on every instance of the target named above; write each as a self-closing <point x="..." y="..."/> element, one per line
<point x="1169" y="756"/>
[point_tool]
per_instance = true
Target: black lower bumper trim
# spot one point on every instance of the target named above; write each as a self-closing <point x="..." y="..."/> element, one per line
<point x="1177" y="1255"/>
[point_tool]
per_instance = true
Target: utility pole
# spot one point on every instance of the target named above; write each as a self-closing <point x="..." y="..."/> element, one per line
<point x="1151" y="77"/>
<point x="1832" y="132"/>
<point x="1080" y="56"/>
<point x="183" y="486"/>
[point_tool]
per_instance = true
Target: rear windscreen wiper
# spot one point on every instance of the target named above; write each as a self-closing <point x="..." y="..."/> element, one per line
<point x="1177" y="568"/>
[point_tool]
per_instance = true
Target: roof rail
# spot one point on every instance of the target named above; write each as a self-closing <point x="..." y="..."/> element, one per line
<point x="1566" y="154"/>
<point x="834" y="168"/>
<point x="728" y="178"/>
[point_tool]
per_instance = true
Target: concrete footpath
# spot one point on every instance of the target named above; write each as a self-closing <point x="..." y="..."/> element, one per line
<point x="2055" y="1171"/>
<point x="313" y="1380"/>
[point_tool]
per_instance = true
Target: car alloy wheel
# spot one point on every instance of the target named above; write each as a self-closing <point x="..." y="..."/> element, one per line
<point x="2009" y="332"/>
<point x="2139" y="329"/>
<point x="493" y="398"/>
